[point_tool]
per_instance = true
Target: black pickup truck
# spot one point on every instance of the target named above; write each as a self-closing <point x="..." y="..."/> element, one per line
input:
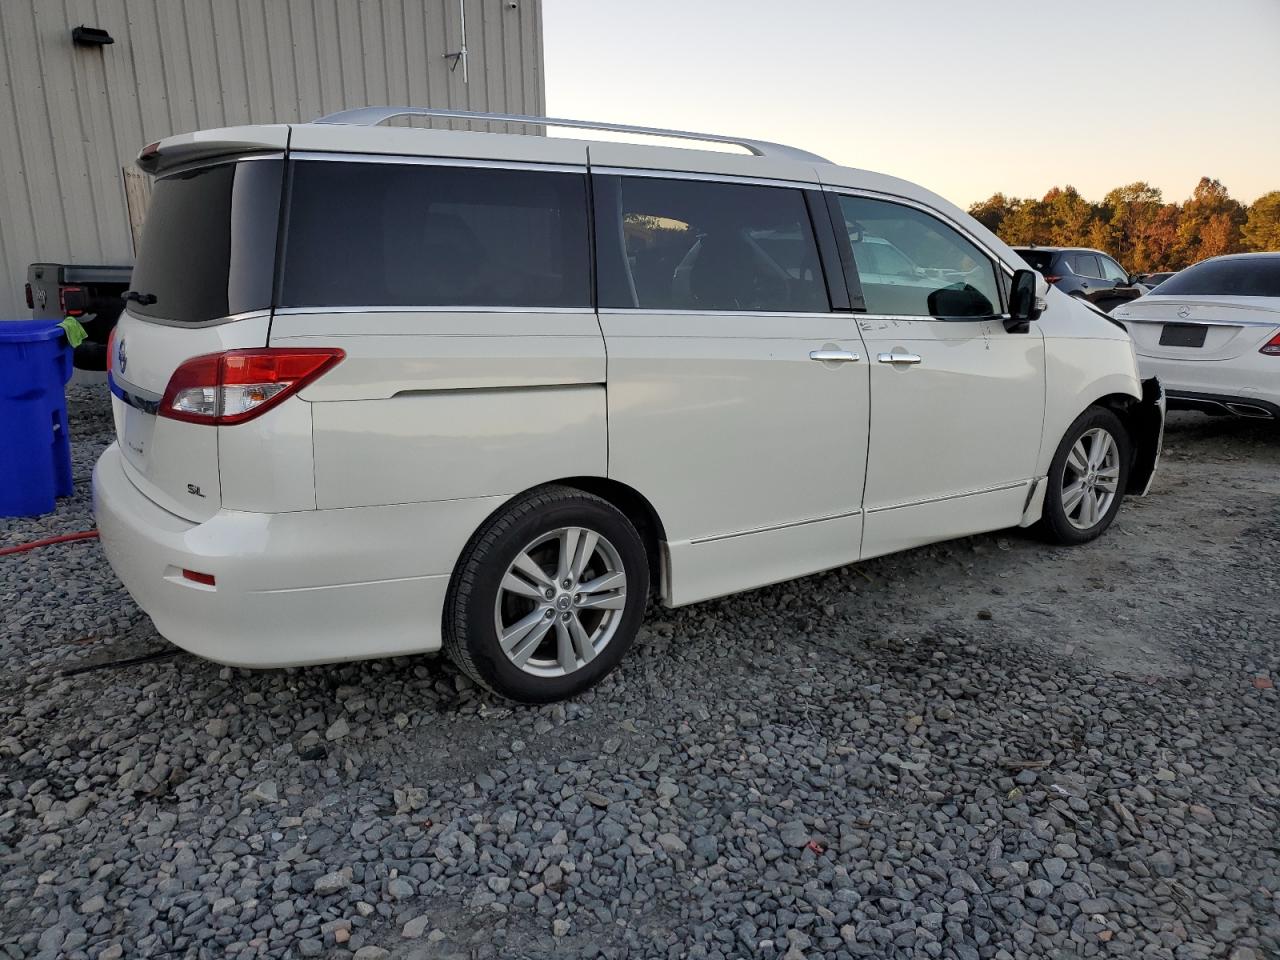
<point x="91" y="294"/>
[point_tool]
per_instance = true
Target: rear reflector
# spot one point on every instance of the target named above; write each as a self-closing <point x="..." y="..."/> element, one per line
<point x="196" y="577"/>
<point x="71" y="301"/>
<point x="1272" y="347"/>
<point x="232" y="387"/>
<point x="31" y="300"/>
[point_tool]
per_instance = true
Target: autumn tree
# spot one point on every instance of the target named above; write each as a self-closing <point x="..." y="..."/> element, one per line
<point x="993" y="211"/>
<point x="1261" y="231"/>
<point x="1135" y="225"/>
<point x="1210" y="223"/>
<point x="1141" y="229"/>
<point x="1067" y="215"/>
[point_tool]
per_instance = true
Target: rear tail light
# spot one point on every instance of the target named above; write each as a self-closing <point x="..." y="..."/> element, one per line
<point x="31" y="299"/>
<point x="111" y="351"/>
<point x="238" y="385"/>
<point x="1051" y="279"/>
<point x="71" y="301"/>
<point x="1272" y="347"/>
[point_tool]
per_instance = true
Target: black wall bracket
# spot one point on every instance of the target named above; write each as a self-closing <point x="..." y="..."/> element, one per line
<point x="91" y="36"/>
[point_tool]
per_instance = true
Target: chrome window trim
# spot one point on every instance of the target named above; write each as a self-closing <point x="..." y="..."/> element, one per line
<point x="374" y="308"/>
<point x="993" y="318"/>
<point x="198" y="324"/>
<point x="803" y="315"/>
<point x="925" y="208"/>
<point x="659" y="174"/>
<point x="398" y="159"/>
<point x="219" y="161"/>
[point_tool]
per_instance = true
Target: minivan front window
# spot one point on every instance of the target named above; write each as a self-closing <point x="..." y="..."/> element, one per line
<point x="208" y="250"/>
<point x="912" y="264"/>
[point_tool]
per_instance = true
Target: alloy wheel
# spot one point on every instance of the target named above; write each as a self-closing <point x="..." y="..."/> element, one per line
<point x="1090" y="478"/>
<point x="560" y="602"/>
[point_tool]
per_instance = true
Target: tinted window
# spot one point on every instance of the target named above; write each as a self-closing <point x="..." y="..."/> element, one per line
<point x="1037" y="259"/>
<point x="209" y="246"/>
<point x="912" y="264"/>
<point x="1235" y="277"/>
<point x="698" y="245"/>
<point x="1112" y="270"/>
<point x="384" y="234"/>
<point x="1084" y="265"/>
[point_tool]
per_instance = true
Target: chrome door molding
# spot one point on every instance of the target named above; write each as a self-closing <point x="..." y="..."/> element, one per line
<point x="779" y="526"/>
<point x="955" y="496"/>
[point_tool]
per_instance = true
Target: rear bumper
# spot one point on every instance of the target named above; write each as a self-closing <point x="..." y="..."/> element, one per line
<point x="1220" y="386"/>
<point x="296" y="588"/>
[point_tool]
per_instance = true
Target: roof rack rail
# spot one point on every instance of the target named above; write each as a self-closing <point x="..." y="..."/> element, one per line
<point x="372" y="116"/>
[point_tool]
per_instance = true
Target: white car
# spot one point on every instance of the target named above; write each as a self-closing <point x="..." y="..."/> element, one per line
<point x="1211" y="333"/>
<point x="383" y="390"/>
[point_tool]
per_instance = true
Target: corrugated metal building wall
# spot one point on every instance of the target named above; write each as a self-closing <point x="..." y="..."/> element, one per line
<point x="71" y="117"/>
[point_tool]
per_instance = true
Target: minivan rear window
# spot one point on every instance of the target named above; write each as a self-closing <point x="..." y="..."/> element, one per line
<point x="1234" y="277"/>
<point x="208" y="250"/>
<point x="428" y="235"/>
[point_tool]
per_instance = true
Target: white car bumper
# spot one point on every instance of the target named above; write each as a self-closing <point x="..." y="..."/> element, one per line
<point x="310" y="586"/>
<point x="1248" y="385"/>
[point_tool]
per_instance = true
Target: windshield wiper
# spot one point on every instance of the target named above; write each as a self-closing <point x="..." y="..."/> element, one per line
<point x="144" y="299"/>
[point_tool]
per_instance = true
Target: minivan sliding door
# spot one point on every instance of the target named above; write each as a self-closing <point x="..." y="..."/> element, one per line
<point x="737" y="396"/>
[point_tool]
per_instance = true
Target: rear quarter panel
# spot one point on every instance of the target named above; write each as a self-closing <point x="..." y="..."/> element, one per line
<point x="431" y="406"/>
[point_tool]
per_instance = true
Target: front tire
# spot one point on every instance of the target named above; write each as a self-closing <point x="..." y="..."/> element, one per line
<point x="1087" y="478"/>
<point x="547" y="596"/>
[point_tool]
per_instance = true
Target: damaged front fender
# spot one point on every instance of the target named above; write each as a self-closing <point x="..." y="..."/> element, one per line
<point x="1146" y="430"/>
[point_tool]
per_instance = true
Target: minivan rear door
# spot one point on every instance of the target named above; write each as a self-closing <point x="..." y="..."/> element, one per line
<point x="202" y="284"/>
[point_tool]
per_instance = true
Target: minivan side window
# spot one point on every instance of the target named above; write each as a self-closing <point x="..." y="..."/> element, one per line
<point x="674" y="244"/>
<point x="422" y="235"/>
<point x="912" y="264"/>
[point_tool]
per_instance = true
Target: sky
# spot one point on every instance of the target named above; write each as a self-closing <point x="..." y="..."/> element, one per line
<point x="965" y="97"/>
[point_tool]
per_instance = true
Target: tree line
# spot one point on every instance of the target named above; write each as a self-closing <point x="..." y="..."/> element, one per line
<point x="1136" y="226"/>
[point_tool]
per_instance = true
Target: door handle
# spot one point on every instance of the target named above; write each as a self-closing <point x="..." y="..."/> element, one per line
<point x="899" y="358"/>
<point x="832" y="356"/>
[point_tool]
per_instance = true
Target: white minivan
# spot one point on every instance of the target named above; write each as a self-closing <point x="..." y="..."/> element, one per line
<point x="381" y="390"/>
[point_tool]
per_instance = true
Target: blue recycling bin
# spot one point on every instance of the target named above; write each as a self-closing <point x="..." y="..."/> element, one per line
<point x="35" y="444"/>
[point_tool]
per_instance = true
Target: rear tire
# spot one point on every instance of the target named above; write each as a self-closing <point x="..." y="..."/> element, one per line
<point x="1087" y="478"/>
<point x="547" y="596"/>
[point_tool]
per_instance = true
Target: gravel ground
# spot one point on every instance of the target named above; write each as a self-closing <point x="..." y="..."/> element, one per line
<point x="988" y="748"/>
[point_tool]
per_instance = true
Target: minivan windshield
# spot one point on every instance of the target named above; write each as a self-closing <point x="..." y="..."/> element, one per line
<point x="1232" y="277"/>
<point x="208" y="249"/>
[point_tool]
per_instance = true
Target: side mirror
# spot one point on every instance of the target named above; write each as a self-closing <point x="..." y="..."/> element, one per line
<point x="1135" y="279"/>
<point x="1023" y="300"/>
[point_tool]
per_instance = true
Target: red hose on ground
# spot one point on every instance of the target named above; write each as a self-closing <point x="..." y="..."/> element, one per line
<point x="65" y="538"/>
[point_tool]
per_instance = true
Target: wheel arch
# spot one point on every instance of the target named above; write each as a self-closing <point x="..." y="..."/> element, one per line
<point x="1143" y="420"/>
<point x="638" y="510"/>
